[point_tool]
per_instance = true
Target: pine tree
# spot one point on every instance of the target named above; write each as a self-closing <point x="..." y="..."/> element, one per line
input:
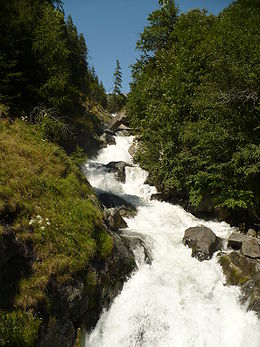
<point x="117" y="79"/>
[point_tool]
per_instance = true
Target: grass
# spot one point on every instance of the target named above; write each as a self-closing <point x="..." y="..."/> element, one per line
<point x="50" y="206"/>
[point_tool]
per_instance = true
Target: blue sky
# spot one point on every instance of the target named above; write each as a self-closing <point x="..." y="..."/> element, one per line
<point x="111" y="29"/>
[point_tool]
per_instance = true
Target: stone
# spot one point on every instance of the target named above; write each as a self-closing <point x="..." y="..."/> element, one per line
<point x="133" y="148"/>
<point x="118" y="167"/>
<point x="203" y="242"/>
<point x="140" y="247"/>
<point x="107" y="139"/>
<point x="123" y="127"/>
<point x="61" y="333"/>
<point x="250" y="294"/>
<point x="238" y="268"/>
<point x="251" y="232"/>
<point x="236" y="239"/>
<point x="110" y="200"/>
<point x="127" y="211"/>
<point x="114" y="219"/>
<point x="251" y="248"/>
<point x="120" y="118"/>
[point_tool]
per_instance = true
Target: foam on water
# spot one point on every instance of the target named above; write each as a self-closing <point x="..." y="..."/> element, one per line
<point x="176" y="301"/>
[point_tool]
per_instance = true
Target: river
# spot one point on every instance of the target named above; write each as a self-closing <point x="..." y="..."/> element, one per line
<point x="176" y="301"/>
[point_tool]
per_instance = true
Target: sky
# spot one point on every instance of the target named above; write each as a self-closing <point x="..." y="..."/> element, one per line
<point x="111" y="29"/>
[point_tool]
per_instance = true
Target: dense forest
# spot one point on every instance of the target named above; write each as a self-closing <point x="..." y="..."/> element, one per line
<point x="43" y="60"/>
<point x="195" y="100"/>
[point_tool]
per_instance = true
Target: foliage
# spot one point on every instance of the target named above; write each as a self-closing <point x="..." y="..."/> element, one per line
<point x="117" y="79"/>
<point x="116" y="100"/>
<point x="53" y="208"/>
<point x="43" y="59"/>
<point x="18" y="329"/>
<point x="51" y="124"/>
<point x="195" y="101"/>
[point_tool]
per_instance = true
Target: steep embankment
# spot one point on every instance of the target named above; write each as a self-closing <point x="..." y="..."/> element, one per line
<point x="57" y="258"/>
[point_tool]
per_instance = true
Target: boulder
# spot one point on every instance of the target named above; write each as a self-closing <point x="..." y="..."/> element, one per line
<point x="111" y="200"/>
<point x="139" y="246"/>
<point x="119" y="168"/>
<point x="236" y="239"/>
<point x="123" y="127"/>
<point x="69" y="299"/>
<point x="133" y="148"/>
<point x="127" y="211"/>
<point x="238" y="268"/>
<point x="245" y="272"/>
<point x="251" y="294"/>
<point x="114" y="219"/>
<point x="251" y="232"/>
<point x="61" y="333"/>
<point x="251" y="248"/>
<point x="107" y="139"/>
<point x="120" y="118"/>
<point x="203" y="242"/>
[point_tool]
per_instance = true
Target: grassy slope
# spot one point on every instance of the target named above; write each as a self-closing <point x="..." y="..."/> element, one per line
<point x="49" y="205"/>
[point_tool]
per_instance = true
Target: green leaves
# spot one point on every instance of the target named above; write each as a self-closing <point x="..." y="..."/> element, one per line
<point x="43" y="59"/>
<point x="196" y="104"/>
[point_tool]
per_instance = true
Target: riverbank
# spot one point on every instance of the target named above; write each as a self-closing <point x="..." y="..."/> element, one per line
<point x="60" y="265"/>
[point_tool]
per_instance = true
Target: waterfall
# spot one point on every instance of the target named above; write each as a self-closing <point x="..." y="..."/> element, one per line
<point x="176" y="300"/>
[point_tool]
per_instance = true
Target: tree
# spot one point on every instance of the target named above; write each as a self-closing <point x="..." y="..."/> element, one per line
<point x="195" y="100"/>
<point x="117" y="79"/>
<point x="156" y="35"/>
<point x="52" y="54"/>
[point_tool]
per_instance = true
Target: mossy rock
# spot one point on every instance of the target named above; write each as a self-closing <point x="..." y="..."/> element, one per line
<point x="237" y="268"/>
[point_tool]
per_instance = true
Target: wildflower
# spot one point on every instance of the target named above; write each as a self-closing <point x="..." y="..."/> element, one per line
<point x="39" y="217"/>
<point x="31" y="222"/>
<point x="48" y="223"/>
<point x="42" y="228"/>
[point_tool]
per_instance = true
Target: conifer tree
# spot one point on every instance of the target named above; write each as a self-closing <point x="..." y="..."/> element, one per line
<point x="117" y="79"/>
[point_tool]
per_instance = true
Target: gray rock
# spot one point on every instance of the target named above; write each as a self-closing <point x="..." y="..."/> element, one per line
<point x="238" y="268"/>
<point x="107" y="139"/>
<point x="203" y="242"/>
<point x="114" y="219"/>
<point x="61" y="333"/>
<point x="111" y="275"/>
<point x="245" y="272"/>
<point x="124" y="128"/>
<point x="236" y="239"/>
<point x="118" y="167"/>
<point x="127" y="211"/>
<point x="133" y="148"/>
<point x="251" y="294"/>
<point x="120" y="118"/>
<point x="136" y="242"/>
<point x="111" y="200"/>
<point x="251" y="248"/>
<point x="251" y="232"/>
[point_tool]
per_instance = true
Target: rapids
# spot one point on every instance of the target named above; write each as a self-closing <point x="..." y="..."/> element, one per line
<point x="175" y="301"/>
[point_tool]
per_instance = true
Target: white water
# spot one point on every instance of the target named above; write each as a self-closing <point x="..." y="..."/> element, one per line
<point x="176" y="301"/>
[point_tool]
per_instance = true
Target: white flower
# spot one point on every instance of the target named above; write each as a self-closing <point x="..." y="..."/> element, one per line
<point x="40" y="222"/>
<point x="42" y="228"/>
<point x="39" y="217"/>
<point x="48" y="223"/>
<point x="31" y="222"/>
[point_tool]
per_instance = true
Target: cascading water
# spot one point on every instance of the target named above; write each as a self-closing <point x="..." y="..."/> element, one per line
<point x="176" y="300"/>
